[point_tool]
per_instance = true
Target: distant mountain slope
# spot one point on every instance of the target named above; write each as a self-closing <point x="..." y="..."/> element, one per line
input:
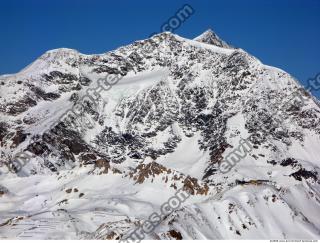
<point x="105" y="156"/>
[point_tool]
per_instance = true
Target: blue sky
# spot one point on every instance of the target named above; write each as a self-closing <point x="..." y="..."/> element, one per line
<point x="281" y="33"/>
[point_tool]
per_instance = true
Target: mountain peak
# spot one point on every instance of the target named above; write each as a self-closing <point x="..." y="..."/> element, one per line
<point x="209" y="37"/>
<point x="208" y="32"/>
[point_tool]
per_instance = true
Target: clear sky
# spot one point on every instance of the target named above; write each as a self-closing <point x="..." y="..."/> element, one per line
<point x="281" y="33"/>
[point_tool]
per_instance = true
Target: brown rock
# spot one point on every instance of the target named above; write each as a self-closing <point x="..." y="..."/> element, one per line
<point x="175" y="234"/>
<point x="69" y="190"/>
<point x="103" y="163"/>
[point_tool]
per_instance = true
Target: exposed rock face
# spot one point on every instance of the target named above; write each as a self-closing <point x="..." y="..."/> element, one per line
<point x="3" y="191"/>
<point x="143" y="172"/>
<point x="209" y="37"/>
<point x="170" y="117"/>
<point x="154" y="170"/>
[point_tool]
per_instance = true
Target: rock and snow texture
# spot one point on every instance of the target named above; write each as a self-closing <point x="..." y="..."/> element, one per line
<point x="176" y="113"/>
<point x="209" y="37"/>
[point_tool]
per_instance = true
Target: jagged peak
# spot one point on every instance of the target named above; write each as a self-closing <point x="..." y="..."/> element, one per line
<point x="209" y="37"/>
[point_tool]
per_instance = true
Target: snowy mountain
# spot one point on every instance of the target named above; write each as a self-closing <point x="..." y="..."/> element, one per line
<point x="111" y="138"/>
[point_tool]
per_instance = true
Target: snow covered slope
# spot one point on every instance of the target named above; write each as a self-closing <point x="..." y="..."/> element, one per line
<point x="178" y="110"/>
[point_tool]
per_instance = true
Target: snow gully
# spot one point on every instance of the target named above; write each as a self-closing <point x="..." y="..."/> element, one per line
<point x="236" y="155"/>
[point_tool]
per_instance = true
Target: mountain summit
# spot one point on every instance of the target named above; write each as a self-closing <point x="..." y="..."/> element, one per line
<point x="209" y="37"/>
<point x="97" y="144"/>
